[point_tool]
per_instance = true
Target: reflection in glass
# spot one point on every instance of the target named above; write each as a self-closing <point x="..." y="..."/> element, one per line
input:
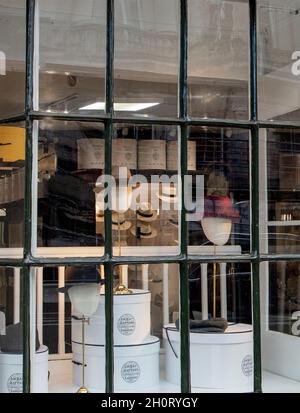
<point x="278" y="60"/>
<point x="71" y="55"/>
<point x="11" y="338"/>
<point x="12" y="56"/>
<point x="283" y="156"/>
<point x="147" y="33"/>
<point x="12" y="179"/>
<point x="146" y="207"/>
<point x="70" y="159"/>
<point x="66" y="299"/>
<point x="218" y="59"/>
<point x="222" y="159"/>
<point x="221" y="326"/>
<point x="144" y="317"/>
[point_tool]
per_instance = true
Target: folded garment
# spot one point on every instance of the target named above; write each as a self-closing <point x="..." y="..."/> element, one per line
<point x="12" y="342"/>
<point x="216" y="325"/>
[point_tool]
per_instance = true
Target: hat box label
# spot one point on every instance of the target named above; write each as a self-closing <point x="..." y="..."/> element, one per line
<point x="126" y="324"/>
<point x="131" y="372"/>
<point x="172" y="155"/>
<point x="247" y="365"/>
<point x="152" y="154"/>
<point x="90" y="153"/>
<point x="124" y="153"/>
<point x="15" y="383"/>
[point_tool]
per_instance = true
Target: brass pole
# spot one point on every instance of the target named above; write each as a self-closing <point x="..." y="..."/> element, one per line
<point x="214" y="286"/>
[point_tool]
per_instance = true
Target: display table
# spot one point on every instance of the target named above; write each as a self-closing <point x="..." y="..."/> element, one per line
<point x="11" y="368"/>
<point x="218" y="360"/>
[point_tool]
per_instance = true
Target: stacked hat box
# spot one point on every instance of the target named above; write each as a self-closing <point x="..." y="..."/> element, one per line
<point x="136" y="352"/>
<point x="220" y="361"/>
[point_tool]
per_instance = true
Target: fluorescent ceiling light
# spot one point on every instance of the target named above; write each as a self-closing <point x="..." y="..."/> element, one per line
<point x="120" y="107"/>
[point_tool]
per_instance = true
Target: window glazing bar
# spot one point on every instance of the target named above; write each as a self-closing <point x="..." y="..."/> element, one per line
<point x="25" y="280"/>
<point x="184" y="273"/>
<point x="109" y="98"/>
<point x="255" y="199"/>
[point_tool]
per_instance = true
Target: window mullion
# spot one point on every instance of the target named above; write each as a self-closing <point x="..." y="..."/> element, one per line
<point x="109" y="341"/>
<point x="184" y="274"/>
<point x="255" y="198"/>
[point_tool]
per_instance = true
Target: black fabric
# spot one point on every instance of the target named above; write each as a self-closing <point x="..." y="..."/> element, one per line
<point x="12" y="342"/>
<point x="217" y="325"/>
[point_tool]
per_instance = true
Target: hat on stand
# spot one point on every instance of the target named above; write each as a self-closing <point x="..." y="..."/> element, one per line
<point x="146" y="213"/>
<point x="142" y="230"/>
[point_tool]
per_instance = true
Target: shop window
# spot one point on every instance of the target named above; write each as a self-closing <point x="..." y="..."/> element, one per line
<point x="12" y="188"/>
<point x="12" y="57"/>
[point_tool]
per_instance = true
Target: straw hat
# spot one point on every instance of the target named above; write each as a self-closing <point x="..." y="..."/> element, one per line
<point x="143" y="231"/>
<point x="119" y="222"/>
<point x="146" y="213"/>
<point x="168" y="194"/>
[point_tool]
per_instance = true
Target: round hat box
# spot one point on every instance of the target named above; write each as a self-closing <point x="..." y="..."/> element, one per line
<point x="136" y="367"/>
<point x="220" y="361"/>
<point x="131" y="320"/>
<point x="11" y="368"/>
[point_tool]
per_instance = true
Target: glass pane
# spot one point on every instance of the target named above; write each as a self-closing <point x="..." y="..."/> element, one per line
<point x="71" y="46"/>
<point x="12" y="56"/>
<point x="68" y="300"/>
<point x="218" y="59"/>
<point x="278" y="60"/>
<point x="146" y="304"/>
<point x="280" y="295"/>
<point x="70" y="159"/>
<point x="146" y="192"/>
<point x="12" y="178"/>
<point x="221" y="339"/>
<point x="11" y="332"/>
<point x="283" y="209"/>
<point x="219" y="218"/>
<point x="147" y="33"/>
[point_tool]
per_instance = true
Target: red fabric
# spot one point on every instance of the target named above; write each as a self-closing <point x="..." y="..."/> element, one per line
<point x="220" y="207"/>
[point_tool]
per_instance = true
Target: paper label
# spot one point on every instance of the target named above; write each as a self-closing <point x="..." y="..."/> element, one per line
<point x="131" y="372"/>
<point x="15" y="383"/>
<point x="126" y="324"/>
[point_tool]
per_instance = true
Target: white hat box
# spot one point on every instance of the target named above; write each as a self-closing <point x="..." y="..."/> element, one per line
<point x="136" y="367"/>
<point x="220" y="361"/>
<point x="131" y="320"/>
<point x="11" y="368"/>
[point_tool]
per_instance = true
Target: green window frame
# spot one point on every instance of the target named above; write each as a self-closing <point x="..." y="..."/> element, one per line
<point x="183" y="121"/>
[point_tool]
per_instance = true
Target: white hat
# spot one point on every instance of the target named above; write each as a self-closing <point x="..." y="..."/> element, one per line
<point x="119" y="222"/>
<point x="168" y="194"/>
<point x="143" y="231"/>
<point x="146" y="213"/>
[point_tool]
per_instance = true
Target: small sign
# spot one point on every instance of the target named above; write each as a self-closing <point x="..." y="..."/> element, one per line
<point x="126" y="324"/>
<point x="247" y="365"/>
<point x="131" y="372"/>
<point x="15" y="383"/>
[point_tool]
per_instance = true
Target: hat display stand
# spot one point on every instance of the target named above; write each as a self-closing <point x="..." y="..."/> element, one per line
<point x="85" y="298"/>
<point x="217" y="219"/>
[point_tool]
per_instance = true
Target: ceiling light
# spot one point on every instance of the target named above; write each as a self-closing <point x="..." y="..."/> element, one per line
<point x="120" y="107"/>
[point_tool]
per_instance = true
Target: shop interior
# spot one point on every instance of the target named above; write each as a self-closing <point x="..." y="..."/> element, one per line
<point x="68" y="194"/>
